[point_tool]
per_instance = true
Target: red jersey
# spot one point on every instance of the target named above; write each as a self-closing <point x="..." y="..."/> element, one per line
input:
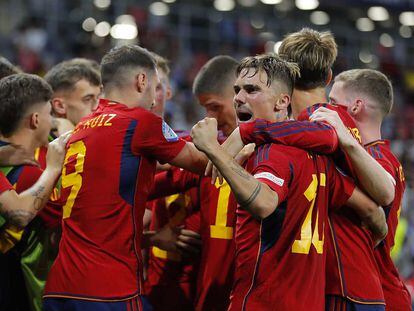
<point x="217" y="223"/>
<point x="280" y="260"/>
<point x="108" y="171"/>
<point x="4" y="184"/>
<point x="397" y="297"/>
<point x="218" y="220"/>
<point x="171" y="278"/>
<point x="347" y="243"/>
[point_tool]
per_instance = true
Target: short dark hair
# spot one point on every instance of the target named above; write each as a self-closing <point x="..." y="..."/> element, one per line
<point x="314" y="52"/>
<point x="214" y="77"/>
<point x="275" y="67"/>
<point x="18" y="93"/>
<point x="123" y="58"/>
<point x="66" y="74"/>
<point x="7" y="68"/>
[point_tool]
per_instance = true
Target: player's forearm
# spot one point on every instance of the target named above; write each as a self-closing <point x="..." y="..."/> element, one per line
<point x="252" y="195"/>
<point x="373" y="178"/>
<point x="370" y="213"/>
<point x="191" y="159"/>
<point x="313" y="136"/>
<point x="20" y="209"/>
<point x="233" y="144"/>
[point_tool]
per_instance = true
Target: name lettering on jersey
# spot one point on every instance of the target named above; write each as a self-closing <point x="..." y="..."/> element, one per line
<point x="99" y="121"/>
<point x="355" y="133"/>
<point x="269" y="176"/>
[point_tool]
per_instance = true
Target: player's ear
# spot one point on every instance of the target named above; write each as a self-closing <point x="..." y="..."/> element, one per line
<point x="58" y="107"/>
<point x="141" y="81"/>
<point x="34" y="120"/>
<point x="282" y="103"/>
<point x="168" y="92"/>
<point x="329" y="78"/>
<point x="357" y="107"/>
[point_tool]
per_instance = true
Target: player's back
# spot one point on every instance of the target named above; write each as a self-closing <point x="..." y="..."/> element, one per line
<point x="218" y="218"/>
<point x="396" y="294"/>
<point x="107" y="174"/>
<point x="280" y="259"/>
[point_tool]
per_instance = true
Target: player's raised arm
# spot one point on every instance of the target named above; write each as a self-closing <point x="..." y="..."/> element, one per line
<point x="378" y="183"/>
<point x="252" y="195"/>
<point x="20" y="209"/>
<point x="191" y="159"/>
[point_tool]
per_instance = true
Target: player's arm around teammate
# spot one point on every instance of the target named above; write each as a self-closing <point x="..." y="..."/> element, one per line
<point x="20" y="209"/>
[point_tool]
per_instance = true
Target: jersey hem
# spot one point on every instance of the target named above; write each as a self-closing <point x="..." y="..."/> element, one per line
<point x="90" y="298"/>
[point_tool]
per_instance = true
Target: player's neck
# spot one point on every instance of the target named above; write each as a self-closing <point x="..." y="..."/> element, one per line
<point x="370" y="131"/>
<point x="23" y="138"/>
<point x="302" y="99"/>
<point x="123" y="97"/>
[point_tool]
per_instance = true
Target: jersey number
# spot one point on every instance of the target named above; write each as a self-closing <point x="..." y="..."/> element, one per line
<point x="74" y="179"/>
<point x="220" y="230"/>
<point x="307" y="239"/>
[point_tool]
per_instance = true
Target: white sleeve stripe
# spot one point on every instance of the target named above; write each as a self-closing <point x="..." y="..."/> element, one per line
<point x="269" y="176"/>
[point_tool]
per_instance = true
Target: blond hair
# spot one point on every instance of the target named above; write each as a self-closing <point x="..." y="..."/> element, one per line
<point x="275" y="67"/>
<point x="314" y="52"/>
<point x="371" y="83"/>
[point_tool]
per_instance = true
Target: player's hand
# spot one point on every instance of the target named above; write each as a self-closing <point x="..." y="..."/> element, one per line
<point x="56" y="152"/>
<point x="331" y="117"/>
<point x="204" y="135"/>
<point x="188" y="242"/>
<point x="12" y="154"/>
<point x="166" y="238"/>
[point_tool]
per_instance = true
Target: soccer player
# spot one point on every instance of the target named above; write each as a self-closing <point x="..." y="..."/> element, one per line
<point x="7" y="68"/>
<point x="368" y="95"/>
<point x="25" y="121"/>
<point x="107" y="174"/>
<point x="348" y="283"/>
<point x="76" y="88"/>
<point x="283" y="197"/>
<point x="171" y="276"/>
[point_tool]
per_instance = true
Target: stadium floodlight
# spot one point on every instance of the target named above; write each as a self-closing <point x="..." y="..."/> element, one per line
<point x="378" y="13"/>
<point x="365" y="57"/>
<point x="124" y="31"/>
<point x="406" y="32"/>
<point x="102" y="4"/>
<point x="224" y="5"/>
<point x="319" y="18"/>
<point x="407" y="18"/>
<point x="271" y="1"/>
<point x="169" y="1"/>
<point x="125" y="19"/>
<point x="306" y="4"/>
<point x="248" y="3"/>
<point x="102" y="29"/>
<point x="365" y="24"/>
<point x="89" y="24"/>
<point x="159" y="9"/>
<point x="386" y="40"/>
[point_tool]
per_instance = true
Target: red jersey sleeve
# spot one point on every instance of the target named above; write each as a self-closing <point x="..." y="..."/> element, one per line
<point x="154" y="138"/>
<point x="273" y="168"/>
<point x="341" y="186"/>
<point x="175" y="180"/>
<point x="4" y="184"/>
<point x="313" y="136"/>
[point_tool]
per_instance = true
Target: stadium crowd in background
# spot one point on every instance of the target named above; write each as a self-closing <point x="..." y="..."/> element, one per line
<point x="119" y="148"/>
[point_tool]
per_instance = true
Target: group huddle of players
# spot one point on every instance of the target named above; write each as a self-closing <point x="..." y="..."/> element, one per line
<point x="302" y="215"/>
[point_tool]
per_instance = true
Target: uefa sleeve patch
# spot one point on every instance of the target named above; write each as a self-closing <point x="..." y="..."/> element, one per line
<point x="269" y="176"/>
<point x="168" y="133"/>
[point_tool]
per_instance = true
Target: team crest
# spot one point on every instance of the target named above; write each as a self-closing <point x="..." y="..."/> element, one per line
<point x="168" y="132"/>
